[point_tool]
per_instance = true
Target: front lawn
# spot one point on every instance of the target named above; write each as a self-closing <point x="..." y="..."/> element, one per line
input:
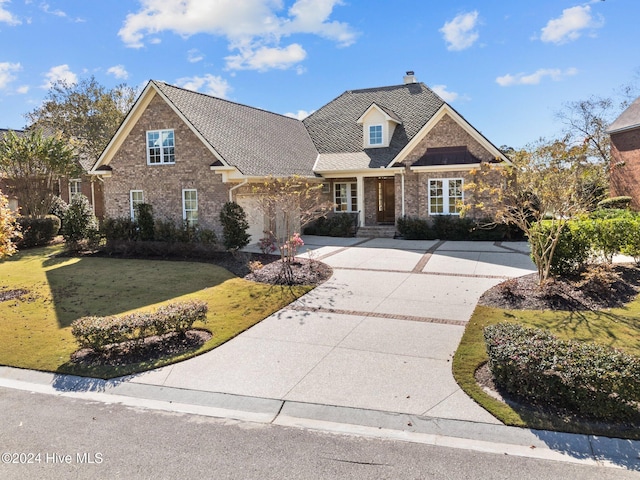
<point x="615" y="327"/>
<point x="35" y="327"/>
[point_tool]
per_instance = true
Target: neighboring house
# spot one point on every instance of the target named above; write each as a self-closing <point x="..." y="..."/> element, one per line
<point x="382" y="153"/>
<point x="625" y="155"/>
<point x="88" y="185"/>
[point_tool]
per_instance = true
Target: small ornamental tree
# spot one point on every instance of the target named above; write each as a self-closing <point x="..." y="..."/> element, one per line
<point x="288" y="204"/>
<point x="79" y="223"/>
<point x="9" y="229"/>
<point x="234" y="226"/>
<point x="546" y="182"/>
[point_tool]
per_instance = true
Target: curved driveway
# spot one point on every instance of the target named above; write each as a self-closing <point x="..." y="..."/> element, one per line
<point x="379" y="335"/>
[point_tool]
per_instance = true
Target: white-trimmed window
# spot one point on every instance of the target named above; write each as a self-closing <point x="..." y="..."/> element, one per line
<point x="346" y="197"/>
<point x="445" y="196"/>
<point x="375" y="134"/>
<point x="190" y="206"/>
<point x="160" y="147"/>
<point x="75" y="187"/>
<point x="136" y="197"/>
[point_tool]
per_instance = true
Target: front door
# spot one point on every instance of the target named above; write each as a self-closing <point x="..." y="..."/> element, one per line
<point x="386" y="200"/>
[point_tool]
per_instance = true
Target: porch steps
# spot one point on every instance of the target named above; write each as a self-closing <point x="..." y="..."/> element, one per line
<point x="377" y="231"/>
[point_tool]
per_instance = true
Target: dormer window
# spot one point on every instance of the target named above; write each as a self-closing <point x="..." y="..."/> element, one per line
<point x="375" y="134"/>
<point x="378" y="124"/>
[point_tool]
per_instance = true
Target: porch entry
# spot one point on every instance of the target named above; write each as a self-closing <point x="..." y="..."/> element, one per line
<point x="386" y="200"/>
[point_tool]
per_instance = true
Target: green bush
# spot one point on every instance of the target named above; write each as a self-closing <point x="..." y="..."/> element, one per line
<point x="37" y="231"/>
<point x="79" y="222"/>
<point x="122" y="228"/>
<point x="631" y="244"/>
<point x="98" y="333"/>
<point x="59" y="207"/>
<point x="450" y="227"/>
<point x="586" y="378"/>
<point x="336" y="225"/>
<point x="572" y="250"/>
<point x="145" y="221"/>
<point x="234" y="226"/>
<point x="414" y="228"/>
<point x="615" y="202"/>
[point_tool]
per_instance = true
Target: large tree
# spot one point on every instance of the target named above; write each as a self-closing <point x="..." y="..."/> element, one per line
<point x="546" y="182"/>
<point x="33" y="164"/>
<point x="86" y="113"/>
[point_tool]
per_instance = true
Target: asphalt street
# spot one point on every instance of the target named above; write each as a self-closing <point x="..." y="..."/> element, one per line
<point x="53" y="437"/>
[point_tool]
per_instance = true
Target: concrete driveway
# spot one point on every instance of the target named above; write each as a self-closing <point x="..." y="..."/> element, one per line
<point x="379" y="335"/>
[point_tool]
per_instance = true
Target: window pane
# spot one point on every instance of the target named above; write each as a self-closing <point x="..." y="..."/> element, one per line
<point x="375" y="135"/>
<point x="190" y="206"/>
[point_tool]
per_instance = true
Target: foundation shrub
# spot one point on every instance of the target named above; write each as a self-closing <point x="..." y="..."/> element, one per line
<point x="234" y="226"/>
<point x="37" y="231"/>
<point x="336" y="225"/>
<point x="414" y="228"/>
<point x="588" y="379"/>
<point x="98" y="333"/>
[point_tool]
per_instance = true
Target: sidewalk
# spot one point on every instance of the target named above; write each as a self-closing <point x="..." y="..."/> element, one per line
<point x="368" y="352"/>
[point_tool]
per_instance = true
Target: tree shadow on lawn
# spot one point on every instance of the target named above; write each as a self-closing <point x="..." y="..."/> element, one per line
<point x="109" y="286"/>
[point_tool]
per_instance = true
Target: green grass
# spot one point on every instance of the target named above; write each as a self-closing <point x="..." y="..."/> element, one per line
<point x="618" y="328"/>
<point x="35" y="330"/>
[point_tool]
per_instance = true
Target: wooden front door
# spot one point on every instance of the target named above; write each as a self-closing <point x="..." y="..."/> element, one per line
<point x="386" y="200"/>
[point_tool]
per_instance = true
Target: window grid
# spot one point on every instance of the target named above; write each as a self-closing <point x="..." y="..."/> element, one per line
<point x="190" y="207"/>
<point x="160" y="147"/>
<point x="445" y="196"/>
<point x="346" y="197"/>
<point x="375" y="135"/>
<point x="136" y="197"/>
<point x="74" y="188"/>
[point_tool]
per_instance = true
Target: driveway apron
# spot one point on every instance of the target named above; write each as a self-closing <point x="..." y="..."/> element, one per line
<point x="379" y="335"/>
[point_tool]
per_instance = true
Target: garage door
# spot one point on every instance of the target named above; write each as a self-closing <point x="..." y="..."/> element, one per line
<point x="254" y="216"/>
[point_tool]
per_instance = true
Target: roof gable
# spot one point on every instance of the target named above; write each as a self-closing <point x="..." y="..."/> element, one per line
<point x="628" y="120"/>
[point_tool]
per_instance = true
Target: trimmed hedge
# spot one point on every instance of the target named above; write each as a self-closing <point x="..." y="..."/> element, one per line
<point x="38" y="231"/>
<point x="447" y="227"/>
<point x="99" y="333"/>
<point x="615" y="202"/>
<point x="586" y="378"/>
<point x="336" y="225"/>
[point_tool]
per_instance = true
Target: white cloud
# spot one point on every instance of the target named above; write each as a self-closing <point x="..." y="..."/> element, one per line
<point x="194" y="56"/>
<point x="300" y="115"/>
<point x="460" y="32"/>
<point x="264" y="58"/>
<point x="7" y="71"/>
<point x="6" y="16"/>
<point x="535" y="78"/>
<point x="252" y="27"/>
<point x="209" y="84"/>
<point x="22" y="89"/>
<point x="118" y="71"/>
<point x="60" y="73"/>
<point x="569" y="25"/>
<point x="47" y="9"/>
<point x="446" y="95"/>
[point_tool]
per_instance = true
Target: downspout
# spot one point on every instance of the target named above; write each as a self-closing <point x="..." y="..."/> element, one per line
<point x="93" y="196"/>
<point x="244" y="182"/>
<point x="402" y="188"/>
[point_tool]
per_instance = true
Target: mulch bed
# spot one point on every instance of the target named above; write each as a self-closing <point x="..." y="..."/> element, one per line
<point x="302" y="272"/>
<point x="524" y="293"/>
<point x="153" y="348"/>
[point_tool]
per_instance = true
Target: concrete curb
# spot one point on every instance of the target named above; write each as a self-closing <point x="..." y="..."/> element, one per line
<point x="483" y="437"/>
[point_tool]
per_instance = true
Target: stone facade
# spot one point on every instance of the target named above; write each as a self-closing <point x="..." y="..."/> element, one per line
<point x="625" y="166"/>
<point x="163" y="184"/>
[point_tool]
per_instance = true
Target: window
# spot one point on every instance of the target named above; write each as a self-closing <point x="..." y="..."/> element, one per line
<point x="190" y="207"/>
<point x="160" y="147"/>
<point x="375" y="135"/>
<point x="136" y="197"/>
<point x="74" y="188"/>
<point x="445" y="196"/>
<point x="346" y="197"/>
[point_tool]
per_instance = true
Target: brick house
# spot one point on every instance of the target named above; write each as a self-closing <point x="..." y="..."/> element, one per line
<point x="381" y="153"/>
<point x="624" y="133"/>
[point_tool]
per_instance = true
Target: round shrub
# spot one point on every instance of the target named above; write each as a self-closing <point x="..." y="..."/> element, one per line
<point x="38" y="231"/>
<point x="79" y="222"/>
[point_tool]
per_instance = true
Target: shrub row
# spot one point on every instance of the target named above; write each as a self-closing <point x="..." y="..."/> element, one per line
<point x="447" y="227"/>
<point x="589" y="379"/>
<point x="37" y="231"/>
<point x="100" y="332"/>
<point x="603" y="233"/>
<point x="337" y="225"/>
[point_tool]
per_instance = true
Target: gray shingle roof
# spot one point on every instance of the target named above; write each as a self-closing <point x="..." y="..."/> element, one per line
<point x="256" y="142"/>
<point x="628" y="119"/>
<point x="334" y="130"/>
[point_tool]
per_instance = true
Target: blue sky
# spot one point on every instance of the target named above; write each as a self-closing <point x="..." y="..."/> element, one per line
<point x="505" y="66"/>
